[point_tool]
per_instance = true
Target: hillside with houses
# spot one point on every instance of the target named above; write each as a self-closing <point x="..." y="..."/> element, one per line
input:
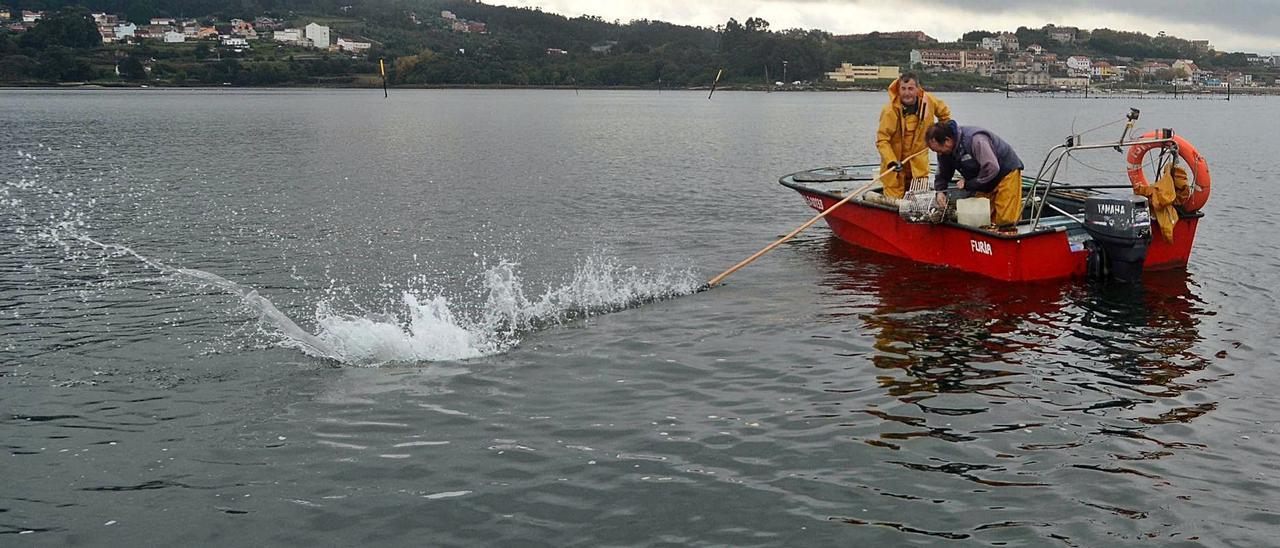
<point x="1068" y="57"/>
<point x="464" y="42"/>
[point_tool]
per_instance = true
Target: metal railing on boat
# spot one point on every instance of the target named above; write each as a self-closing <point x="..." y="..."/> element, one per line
<point x="1053" y="161"/>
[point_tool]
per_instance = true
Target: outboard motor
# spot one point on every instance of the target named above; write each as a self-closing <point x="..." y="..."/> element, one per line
<point x="1121" y="231"/>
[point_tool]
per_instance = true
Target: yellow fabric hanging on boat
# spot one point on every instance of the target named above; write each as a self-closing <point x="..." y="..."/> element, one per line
<point x="1170" y="189"/>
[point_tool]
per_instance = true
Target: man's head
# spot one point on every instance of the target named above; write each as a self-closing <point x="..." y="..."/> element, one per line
<point x="908" y="88"/>
<point x="941" y="137"/>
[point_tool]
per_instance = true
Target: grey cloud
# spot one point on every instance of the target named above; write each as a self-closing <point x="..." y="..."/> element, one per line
<point x="1254" y="17"/>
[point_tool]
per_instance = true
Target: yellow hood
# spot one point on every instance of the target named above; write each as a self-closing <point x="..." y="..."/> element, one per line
<point x="893" y="93"/>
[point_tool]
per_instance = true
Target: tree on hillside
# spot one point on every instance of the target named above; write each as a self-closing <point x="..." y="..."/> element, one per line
<point x="756" y="24"/>
<point x="976" y="35"/>
<point x="131" y="68"/>
<point x="70" y="27"/>
<point x="7" y="45"/>
<point x="141" y="11"/>
<point x="60" y="64"/>
<point x="17" y="67"/>
<point x="1027" y="36"/>
<point x="1229" y="60"/>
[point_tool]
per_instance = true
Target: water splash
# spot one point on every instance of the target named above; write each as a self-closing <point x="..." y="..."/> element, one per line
<point x="51" y="211"/>
<point x="432" y="330"/>
<point x="429" y="329"/>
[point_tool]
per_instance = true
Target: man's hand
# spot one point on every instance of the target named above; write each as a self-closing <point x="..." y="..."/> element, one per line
<point x="895" y="166"/>
<point x="960" y="185"/>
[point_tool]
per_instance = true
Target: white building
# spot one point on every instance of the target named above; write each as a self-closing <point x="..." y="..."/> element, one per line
<point x="1079" y="65"/>
<point x="991" y="43"/>
<point x="352" y="46"/>
<point x="448" y="15"/>
<point x="31" y="16"/>
<point x="126" y="30"/>
<point x="290" y="36"/>
<point x="1009" y="41"/>
<point x="174" y="37"/>
<point x="235" y="42"/>
<point x="1186" y="66"/>
<point x="318" y="35"/>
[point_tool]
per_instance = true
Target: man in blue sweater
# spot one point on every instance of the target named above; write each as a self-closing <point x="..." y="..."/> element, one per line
<point x="988" y="166"/>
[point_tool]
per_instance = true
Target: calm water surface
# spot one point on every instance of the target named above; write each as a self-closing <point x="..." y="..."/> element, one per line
<point x="464" y="318"/>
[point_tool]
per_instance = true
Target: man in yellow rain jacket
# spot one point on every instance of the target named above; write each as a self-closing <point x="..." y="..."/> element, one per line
<point x="903" y="122"/>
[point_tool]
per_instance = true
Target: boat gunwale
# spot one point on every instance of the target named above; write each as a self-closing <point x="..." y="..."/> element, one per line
<point x="790" y="182"/>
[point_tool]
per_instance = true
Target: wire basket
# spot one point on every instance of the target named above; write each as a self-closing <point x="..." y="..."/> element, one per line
<point x="920" y="204"/>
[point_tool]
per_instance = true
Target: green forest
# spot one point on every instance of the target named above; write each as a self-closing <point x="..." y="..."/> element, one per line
<point x="521" y="48"/>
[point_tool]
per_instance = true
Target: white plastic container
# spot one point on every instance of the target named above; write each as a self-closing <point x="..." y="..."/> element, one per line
<point x="975" y="212"/>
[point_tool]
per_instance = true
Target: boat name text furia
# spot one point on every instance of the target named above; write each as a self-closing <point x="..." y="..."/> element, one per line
<point x="980" y="247"/>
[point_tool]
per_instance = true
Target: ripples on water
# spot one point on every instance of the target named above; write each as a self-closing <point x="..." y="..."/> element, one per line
<point x="429" y="331"/>
<point x="824" y="396"/>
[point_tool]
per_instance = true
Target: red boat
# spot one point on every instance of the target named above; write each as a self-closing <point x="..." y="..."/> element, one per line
<point x="1063" y="226"/>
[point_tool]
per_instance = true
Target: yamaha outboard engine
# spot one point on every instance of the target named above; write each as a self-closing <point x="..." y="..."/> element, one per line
<point x="1121" y="231"/>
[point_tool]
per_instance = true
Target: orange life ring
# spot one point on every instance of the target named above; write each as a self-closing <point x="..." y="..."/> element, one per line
<point x="1195" y="163"/>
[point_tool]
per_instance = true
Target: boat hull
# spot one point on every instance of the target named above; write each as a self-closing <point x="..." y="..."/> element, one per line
<point x="1041" y="255"/>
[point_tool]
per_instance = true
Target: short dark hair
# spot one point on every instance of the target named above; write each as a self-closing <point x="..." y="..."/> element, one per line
<point x="909" y="77"/>
<point x="940" y="132"/>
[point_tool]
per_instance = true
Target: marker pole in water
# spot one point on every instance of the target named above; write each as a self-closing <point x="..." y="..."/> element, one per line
<point x="716" y="280"/>
<point x="713" y="84"/>
<point x="382" y="67"/>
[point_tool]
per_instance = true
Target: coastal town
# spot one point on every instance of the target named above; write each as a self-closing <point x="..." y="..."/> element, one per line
<point x="1049" y="58"/>
<point x="234" y="33"/>
<point x="1005" y="60"/>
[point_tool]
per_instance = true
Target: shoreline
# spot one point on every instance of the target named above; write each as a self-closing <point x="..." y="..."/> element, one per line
<point x="1093" y="92"/>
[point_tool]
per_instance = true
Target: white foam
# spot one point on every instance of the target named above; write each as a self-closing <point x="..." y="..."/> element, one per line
<point x="446" y="495"/>
<point x="428" y="329"/>
<point x="433" y="332"/>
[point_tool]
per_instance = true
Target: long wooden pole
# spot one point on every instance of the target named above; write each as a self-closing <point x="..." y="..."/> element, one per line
<point x="716" y="280"/>
<point x="382" y="67"/>
<point x="713" y="84"/>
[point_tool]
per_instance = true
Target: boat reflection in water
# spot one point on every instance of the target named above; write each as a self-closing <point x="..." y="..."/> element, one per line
<point x="942" y="331"/>
<point x="1045" y="386"/>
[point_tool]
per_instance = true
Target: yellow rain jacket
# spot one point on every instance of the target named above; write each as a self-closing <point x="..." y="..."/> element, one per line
<point x="901" y="135"/>
<point x="1172" y="188"/>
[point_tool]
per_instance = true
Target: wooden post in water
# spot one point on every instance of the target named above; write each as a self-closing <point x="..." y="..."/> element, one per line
<point x="382" y="67"/>
<point x="719" y="73"/>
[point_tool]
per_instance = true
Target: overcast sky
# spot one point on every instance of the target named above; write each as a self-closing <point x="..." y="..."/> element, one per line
<point x="1231" y="25"/>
